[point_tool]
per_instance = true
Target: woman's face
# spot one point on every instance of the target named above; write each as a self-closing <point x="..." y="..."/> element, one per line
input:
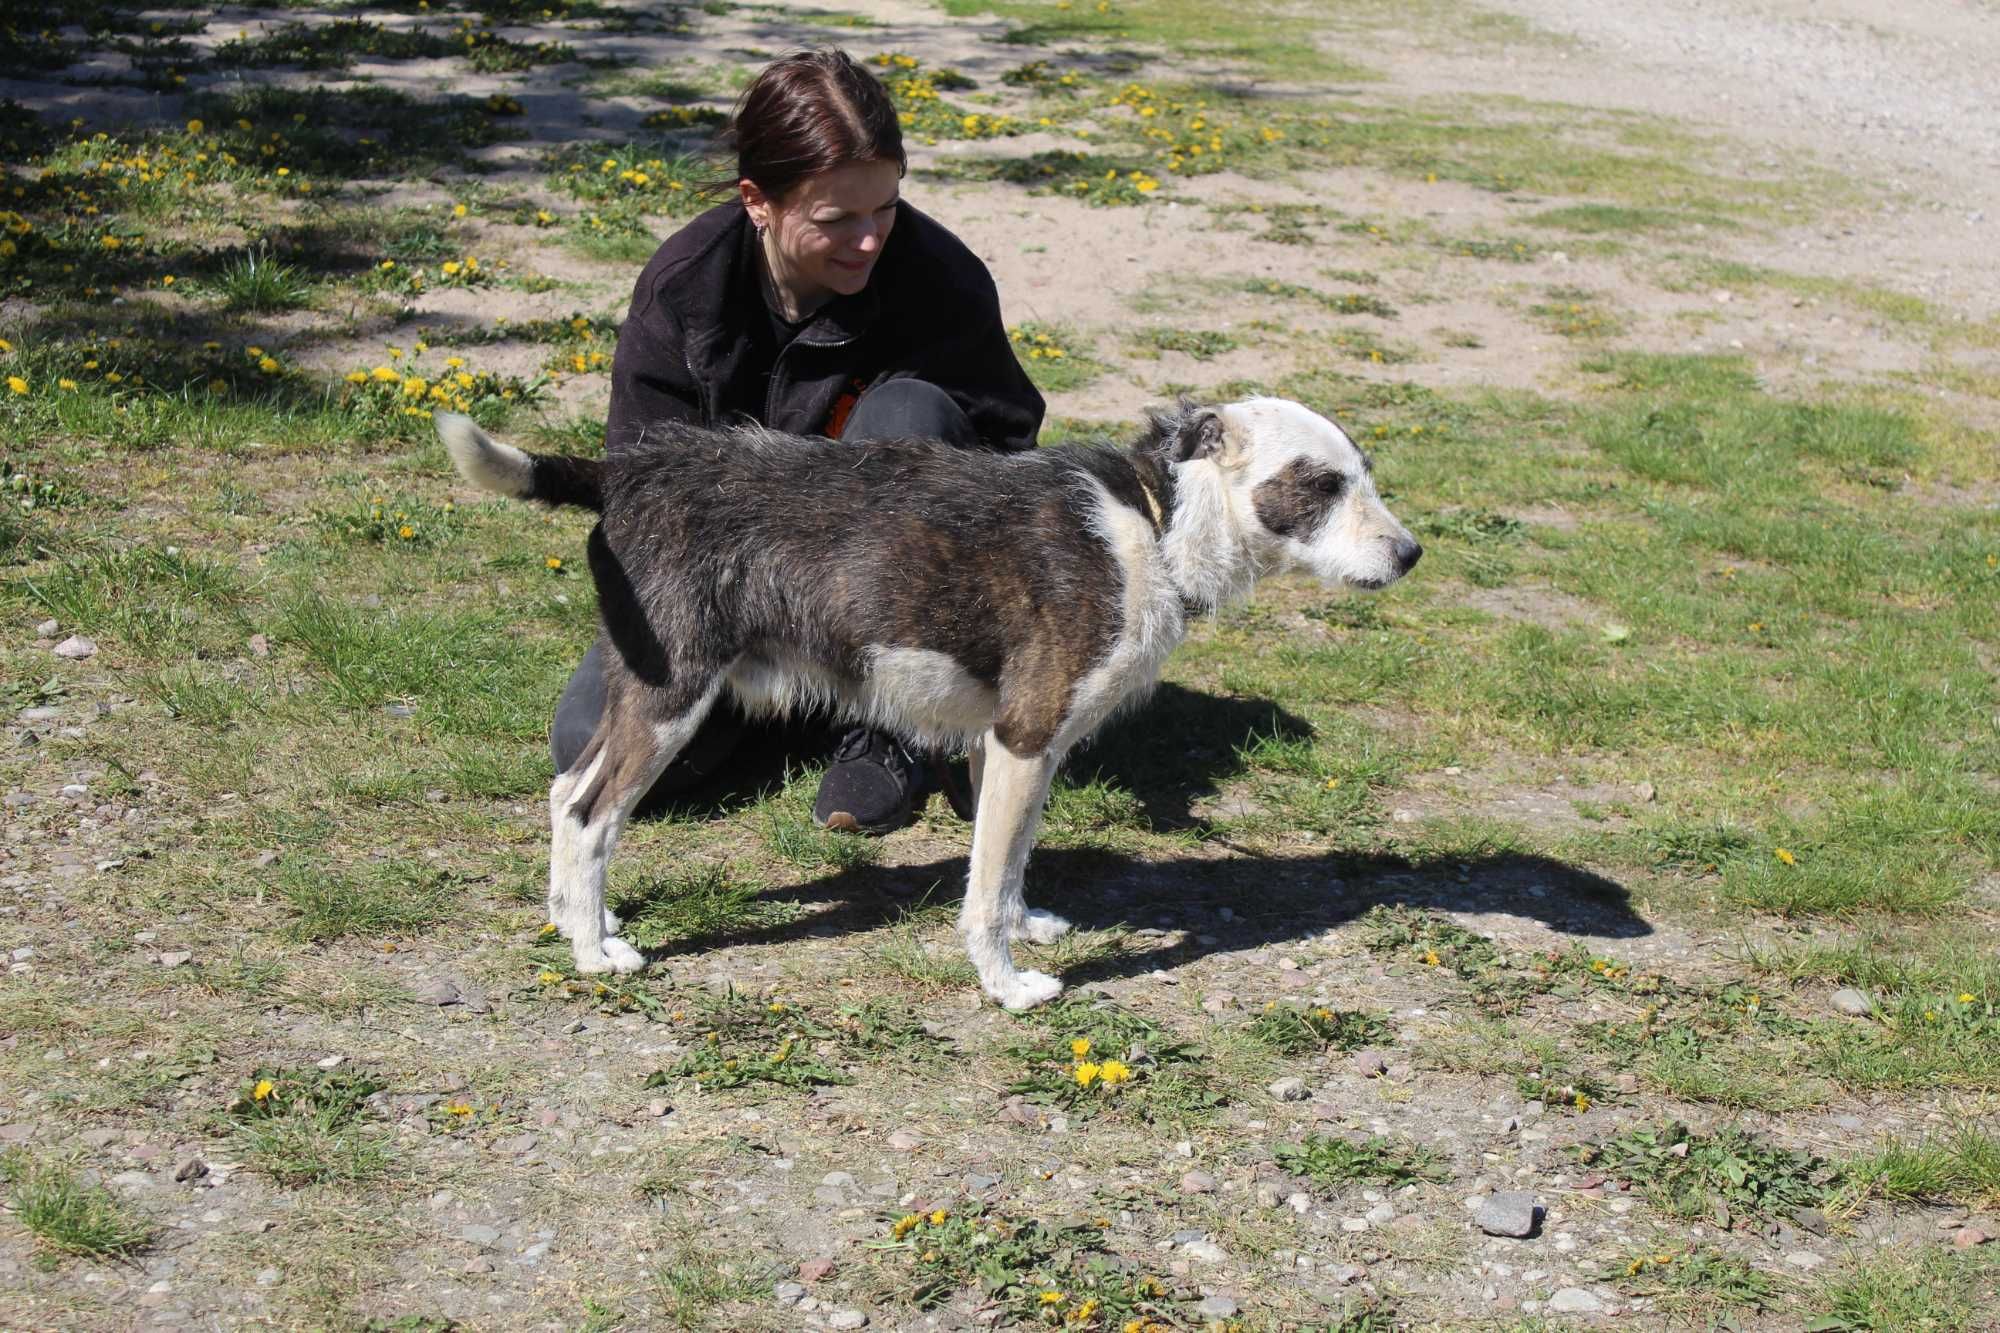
<point x="830" y="230"/>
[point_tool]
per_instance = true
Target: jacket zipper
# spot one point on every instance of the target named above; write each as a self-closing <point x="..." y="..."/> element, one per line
<point x="771" y="386"/>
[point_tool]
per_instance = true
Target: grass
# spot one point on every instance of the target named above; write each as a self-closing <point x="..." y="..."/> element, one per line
<point x="67" y="1215"/>
<point x="1765" y="603"/>
<point x="1334" y="1162"/>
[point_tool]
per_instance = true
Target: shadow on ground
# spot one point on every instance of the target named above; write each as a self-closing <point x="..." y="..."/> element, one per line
<point x="1272" y="900"/>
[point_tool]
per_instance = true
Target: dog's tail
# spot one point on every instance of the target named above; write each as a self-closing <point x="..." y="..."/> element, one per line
<point x="553" y="479"/>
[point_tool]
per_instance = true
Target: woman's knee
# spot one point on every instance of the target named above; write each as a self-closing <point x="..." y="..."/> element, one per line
<point x="901" y="409"/>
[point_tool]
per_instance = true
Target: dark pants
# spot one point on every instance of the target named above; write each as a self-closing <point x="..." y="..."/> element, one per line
<point x="892" y="410"/>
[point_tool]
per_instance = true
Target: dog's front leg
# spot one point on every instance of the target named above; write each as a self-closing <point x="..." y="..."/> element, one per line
<point x="579" y="854"/>
<point x="1012" y="792"/>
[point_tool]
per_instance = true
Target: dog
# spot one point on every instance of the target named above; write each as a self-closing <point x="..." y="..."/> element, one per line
<point x="1006" y="603"/>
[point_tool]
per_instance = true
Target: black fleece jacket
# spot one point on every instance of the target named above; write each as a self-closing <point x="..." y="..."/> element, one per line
<point x="929" y="312"/>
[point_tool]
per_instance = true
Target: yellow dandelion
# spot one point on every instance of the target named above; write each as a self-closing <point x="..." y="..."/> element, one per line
<point x="1965" y="997"/>
<point x="6" y="346"/>
<point x="458" y="210"/>
<point x="449" y="267"/>
<point x="1786" y="857"/>
<point x="457" y="1108"/>
<point x="66" y="384"/>
<point x="1086" y="1074"/>
<point x="1053" y="1298"/>
<point x="547" y="977"/>
<point x="1080" y="1047"/>
<point x="262" y="1092"/>
<point x="387" y="264"/>
<point x="406" y="532"/>
<point x="554" y="562"/>
<point x="905" y="1225"/>
<point x="112" y="242"/>
<point x="454" y="361"/>
<point x="167" y="281"/>
<point x="268" y="365"/>
<point x="357" y="377"/>
<point x="1114" y="1071"/>
<point x="939" y="1215"/>
<point x="17" y="384"/>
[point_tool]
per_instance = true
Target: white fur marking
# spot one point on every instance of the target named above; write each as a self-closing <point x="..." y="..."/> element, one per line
<point x="483" y="460"/>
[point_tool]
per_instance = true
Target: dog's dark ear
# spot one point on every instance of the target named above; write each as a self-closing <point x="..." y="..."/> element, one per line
<point x="1200" y="434"/>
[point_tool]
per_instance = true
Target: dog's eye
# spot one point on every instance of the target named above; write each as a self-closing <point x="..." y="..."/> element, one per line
<point x="1329" y="483"/>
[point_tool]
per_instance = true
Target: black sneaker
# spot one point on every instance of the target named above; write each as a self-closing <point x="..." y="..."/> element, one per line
<point x="870" y="787"/>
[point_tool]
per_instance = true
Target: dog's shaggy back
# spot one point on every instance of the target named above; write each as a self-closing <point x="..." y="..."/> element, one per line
<point x="745" y="543"/>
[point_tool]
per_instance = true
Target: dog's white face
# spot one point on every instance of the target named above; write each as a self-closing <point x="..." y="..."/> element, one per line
<point x="1304" y="496"/>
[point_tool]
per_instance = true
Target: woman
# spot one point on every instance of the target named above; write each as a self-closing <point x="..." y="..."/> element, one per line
<point x="817" y="302"/>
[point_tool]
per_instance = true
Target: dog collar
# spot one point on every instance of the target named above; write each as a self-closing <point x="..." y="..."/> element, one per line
<point x="1153" y="505"/>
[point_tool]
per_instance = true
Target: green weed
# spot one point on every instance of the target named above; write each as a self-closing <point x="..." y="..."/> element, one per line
<point x="1333" y="1162"/>
<point x="66" y="1214"/>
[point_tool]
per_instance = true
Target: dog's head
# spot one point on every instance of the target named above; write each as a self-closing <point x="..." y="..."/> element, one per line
<point x="1298" y="490"/>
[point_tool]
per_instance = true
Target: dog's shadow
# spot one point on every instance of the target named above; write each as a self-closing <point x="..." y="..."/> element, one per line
<point x="1210" y="906"/>
<point x="1180" y="747"/>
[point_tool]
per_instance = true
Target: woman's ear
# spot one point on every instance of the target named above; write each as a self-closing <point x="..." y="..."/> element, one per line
<point x="755" y="202"/>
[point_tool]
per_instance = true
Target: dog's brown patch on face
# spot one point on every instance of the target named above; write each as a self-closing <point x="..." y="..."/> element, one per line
<point x="1296" y="500"/>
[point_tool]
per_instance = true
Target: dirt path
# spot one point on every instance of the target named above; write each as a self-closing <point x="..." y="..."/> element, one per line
<point x="1899" y="96"/>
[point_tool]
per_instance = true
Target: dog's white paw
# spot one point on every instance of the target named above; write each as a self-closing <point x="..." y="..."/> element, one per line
<point x="1025" y="990"/>
<point x="1040" y="927"/>
<point x="614" y="956"/>
<point x="611" y="922"/>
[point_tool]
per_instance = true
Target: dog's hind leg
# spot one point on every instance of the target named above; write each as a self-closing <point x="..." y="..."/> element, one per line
<point x="639" y="735"/>
<point x="1012" y="791"/>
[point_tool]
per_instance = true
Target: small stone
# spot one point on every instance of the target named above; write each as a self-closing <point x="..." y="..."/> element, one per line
<point x="815" y="1270"/>
<point x="1967" y="1237"/>
<point x="1805" y="1259"/>
<point x="48" y="629"/>
<point x="1353" y="1224"/>
<point x="399" y="710"/>
<point x="1299" y="1202"/>
<point x="1852" y="1002"/>
<point x="1288" y="964"/>
<point x="1645" y="791"/>
<point x="1197" y="1182"/>
<point x="439" y="992"/>
<point x="1207" y="1251"/>
<point x="479" y="1234"/>
<point x="190" y="1168"/>
<point x="1216" y="1307"/>
<point x="331" y="1062"/>
<point x="76" y="648"/>
<point x="1347" y="1275"/>
<point x="266" y="857"/>
<point x="788" y="1293"/>
<point x="477" y="1265"/>
<point x="848" y="1318"/>
<point x="518" y="1145"/>
<point x="1370" y="1064"/>
<point x="23" y="954"/>
<point x="260" y="646"/>
<point x="268" y="1276"/>
<point x="1507" y="1213"/>
<point x="177" y="959"/>
<point x="1574" y="1300"/>
<point x="1289" y="1090"/>
<point x="1382" y="1214"/>
<point x="1626" y="1082"/>
<point x="658" y="1107"/>
<point x="906" y="1140"/>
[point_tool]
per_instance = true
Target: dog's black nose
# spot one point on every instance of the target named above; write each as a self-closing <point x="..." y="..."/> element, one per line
<point x="1408" y="553"/>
